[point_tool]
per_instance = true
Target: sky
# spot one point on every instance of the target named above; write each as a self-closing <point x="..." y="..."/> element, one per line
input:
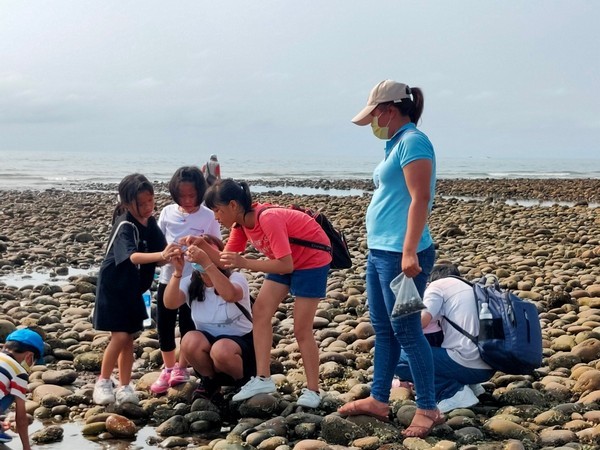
<point x="276" y="78"/>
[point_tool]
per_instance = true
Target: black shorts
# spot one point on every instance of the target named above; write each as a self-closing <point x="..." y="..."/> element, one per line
<point x="246" y="343"/>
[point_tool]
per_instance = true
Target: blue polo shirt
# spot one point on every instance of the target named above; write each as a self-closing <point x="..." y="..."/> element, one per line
<point x="387" y="214"/>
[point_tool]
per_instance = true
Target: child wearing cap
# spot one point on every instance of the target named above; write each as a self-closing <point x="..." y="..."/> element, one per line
<point x="23" y="348"/>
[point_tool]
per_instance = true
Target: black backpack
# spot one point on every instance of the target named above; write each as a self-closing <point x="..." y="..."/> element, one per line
<point x="511" y="341"/>
<point x="340" y="256"/>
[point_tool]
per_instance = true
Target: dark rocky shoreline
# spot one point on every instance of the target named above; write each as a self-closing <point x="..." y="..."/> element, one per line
<point x="549" y="255"/>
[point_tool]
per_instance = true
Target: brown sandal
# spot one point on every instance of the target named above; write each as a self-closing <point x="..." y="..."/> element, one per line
<point x="433" y="416"/>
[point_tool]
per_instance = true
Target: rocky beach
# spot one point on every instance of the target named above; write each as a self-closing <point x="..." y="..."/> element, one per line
<point x="549" y="255"/>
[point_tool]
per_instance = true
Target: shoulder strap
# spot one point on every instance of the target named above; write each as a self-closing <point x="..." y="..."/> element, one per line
<point x="135" y="234"/>
<point x="462" y="331"/>
<point x="298" y="241"/>
<point x="244" y="311"/>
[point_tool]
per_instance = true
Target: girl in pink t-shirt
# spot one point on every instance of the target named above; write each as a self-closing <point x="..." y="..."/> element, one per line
<point x="301" y="271"/>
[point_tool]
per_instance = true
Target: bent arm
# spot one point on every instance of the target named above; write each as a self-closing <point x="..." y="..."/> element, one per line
<point x="425" y="319"/>
<point x="418" y="179"/>
<point x="228" y="291"/>
<point x="282" y="265"/>
<point x="173" y="296"/>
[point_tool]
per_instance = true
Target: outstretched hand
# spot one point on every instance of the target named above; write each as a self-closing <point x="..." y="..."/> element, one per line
<point x="232" y="260"/>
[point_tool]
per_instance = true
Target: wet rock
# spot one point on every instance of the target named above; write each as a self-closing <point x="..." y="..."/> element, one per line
<point x="174" y="441"/>
<point x="261" y="405"/>
<point x="93" y="429"/>
<point x="120" y="426"/>
<point x="174" y="426"/>
<point x="48" y="435"/>
<point x="336" y="430"/>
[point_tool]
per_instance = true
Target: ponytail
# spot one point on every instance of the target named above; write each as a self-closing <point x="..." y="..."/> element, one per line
<point x="418" y="103"/>
<point x="413" y="108"/>
<point x="226" y="190"/>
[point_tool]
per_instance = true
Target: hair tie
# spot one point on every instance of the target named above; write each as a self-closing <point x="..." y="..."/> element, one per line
<point x="408" y="90"/>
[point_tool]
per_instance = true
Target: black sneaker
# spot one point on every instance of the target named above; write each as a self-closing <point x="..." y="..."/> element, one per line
<point x="205" y="388"/>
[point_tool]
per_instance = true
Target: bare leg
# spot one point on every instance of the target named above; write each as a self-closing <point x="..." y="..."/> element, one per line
<point x="169" y="359"/>
<point x="118" y="340"/>
<point x="304" y="315"/>
<point x="195" y="348"/>
<point x="126" y="361"/>
<point x="227" y="358"/>
<point x="269" y="297"/>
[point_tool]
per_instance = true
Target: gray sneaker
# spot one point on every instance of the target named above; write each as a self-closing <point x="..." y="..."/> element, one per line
<point x="465" y="398"/>
<point x="256" y="385"/>
<point x="477" y="389"/>
<point x="103" y="392"/>
<point x="125" y="394"/>
<point x="309" y="399"/>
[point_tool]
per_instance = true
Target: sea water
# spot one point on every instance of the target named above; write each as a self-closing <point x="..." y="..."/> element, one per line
<point x="70" y="170"/>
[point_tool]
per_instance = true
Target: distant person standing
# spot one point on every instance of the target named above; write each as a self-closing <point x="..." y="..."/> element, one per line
<point x="212" y="170"/>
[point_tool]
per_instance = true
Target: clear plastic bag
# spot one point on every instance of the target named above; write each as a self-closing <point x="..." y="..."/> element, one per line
<point x="408" y="300"/>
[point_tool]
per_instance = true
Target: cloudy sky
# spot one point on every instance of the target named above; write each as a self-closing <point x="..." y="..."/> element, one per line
<point x="281" y="77"/>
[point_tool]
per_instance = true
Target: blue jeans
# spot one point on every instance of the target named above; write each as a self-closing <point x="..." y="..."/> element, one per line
<point x="402" y="333"/>
<point x="450" y="376"/>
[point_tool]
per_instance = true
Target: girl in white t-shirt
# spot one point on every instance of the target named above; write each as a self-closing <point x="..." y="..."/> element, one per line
<point x="187" y="216"/>
<point x="220" y="349"/>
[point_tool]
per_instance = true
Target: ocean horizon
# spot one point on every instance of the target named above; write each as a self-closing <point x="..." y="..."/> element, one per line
<point x="69" y="170"/>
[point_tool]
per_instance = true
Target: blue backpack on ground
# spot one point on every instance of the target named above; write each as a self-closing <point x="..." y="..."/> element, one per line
<point x="510" y="335"/>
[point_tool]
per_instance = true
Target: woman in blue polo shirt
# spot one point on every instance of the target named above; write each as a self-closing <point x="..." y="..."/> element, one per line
<point x="399" y="241"/>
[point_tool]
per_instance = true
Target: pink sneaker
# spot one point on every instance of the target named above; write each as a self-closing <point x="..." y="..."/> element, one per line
<point x="162" y="382"/>
<point x="178" y="376"/>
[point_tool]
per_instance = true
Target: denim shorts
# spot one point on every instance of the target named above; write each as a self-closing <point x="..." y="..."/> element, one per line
<point x="308" y="283"/>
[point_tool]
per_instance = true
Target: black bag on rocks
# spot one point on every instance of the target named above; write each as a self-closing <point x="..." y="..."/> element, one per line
<point x="340" y="256"/>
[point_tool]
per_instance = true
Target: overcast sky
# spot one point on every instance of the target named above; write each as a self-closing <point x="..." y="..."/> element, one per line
<point x="281" y="77"/>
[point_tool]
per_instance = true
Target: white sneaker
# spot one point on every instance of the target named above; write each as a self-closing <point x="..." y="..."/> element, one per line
<point x="464" y="398"/>
<point x="309" y="399"/>
<point x="256" y="385"/>
<point x="125" y="394"/>
<point x="477" y="389"/>
<point x="103" y="392"/>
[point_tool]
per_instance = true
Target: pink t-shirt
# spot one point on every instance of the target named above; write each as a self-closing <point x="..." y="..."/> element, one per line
<point x="271" y="234"/>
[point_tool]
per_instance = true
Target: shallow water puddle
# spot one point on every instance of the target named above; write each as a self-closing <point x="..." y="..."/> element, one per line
<point x="36" y="278"/>
<point x="73" y="439"/>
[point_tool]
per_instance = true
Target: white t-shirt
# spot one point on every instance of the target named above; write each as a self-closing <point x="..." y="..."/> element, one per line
<point x="176" y="224"/>
<point x="455" y="299"/>
<point x="216" y="316"/>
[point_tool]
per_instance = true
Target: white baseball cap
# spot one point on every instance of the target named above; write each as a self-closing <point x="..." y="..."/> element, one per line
<point x="386" y="91"/>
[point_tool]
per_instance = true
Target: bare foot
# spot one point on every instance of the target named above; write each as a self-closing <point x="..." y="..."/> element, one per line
<point x="423" y="422"/>
<point x="366" y="406"/>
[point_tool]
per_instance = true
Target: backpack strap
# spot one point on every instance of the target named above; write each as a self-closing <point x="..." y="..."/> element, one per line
<point x="244" y="311"/>
<point x="136" y="234"/>
<point x="298" y="241"/>
<point x="462" y="331"/>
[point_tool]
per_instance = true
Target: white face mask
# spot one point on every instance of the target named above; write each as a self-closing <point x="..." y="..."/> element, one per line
<point x="378" y="131"/>
<point x="26" y="365"/>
